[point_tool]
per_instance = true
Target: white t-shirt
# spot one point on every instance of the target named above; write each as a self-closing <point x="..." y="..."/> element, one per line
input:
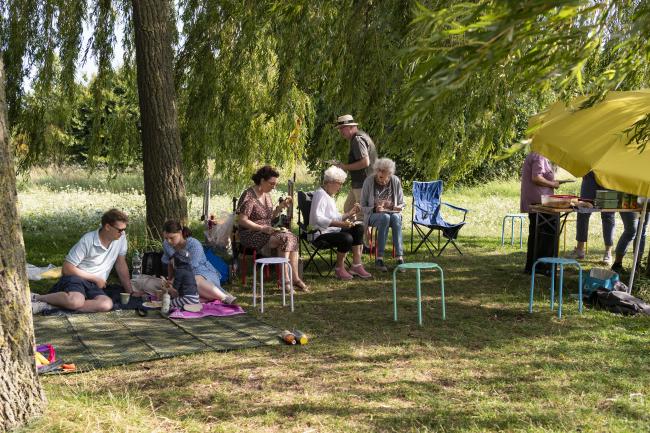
<point x="91" y="256"/>
<point x="323" y="212"/>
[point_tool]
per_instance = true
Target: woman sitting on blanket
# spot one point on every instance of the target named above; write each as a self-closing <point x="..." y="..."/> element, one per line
<point x="255" y="211"/>
<point x="382" y="201"/>
<point x="336" y="228"/>
<point x="177" y="238"/>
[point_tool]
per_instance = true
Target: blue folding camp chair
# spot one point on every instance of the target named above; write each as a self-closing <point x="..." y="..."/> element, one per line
<point x="426" y="214"/>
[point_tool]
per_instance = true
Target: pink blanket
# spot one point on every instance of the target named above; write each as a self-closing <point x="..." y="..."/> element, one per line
<point x="214" y="308"/>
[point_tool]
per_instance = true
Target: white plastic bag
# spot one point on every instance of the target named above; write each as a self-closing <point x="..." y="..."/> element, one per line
<point x="34" y="273"/>
<point x="219" y="230"/>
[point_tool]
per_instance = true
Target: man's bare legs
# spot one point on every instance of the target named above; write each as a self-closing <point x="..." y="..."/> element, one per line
<point x="77" y="301"/>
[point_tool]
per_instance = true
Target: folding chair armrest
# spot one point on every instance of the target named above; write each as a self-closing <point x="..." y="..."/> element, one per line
<point x="304" y="229"/>
<point x="462" y="209"/>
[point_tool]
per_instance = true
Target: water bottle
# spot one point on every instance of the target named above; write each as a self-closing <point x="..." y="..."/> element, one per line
<point x="288" y="337"/>
<point x="136" y="265"/>
<point x="234" y="269"/>
<point x="165" y="307"/>
<point x="300" y="336"/>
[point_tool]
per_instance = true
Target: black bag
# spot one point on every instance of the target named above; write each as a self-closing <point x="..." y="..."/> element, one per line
<point x="619" y="302"/>
<point x="152" y="264"/>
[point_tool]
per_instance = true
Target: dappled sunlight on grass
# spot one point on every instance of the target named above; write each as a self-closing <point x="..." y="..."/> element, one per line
<point x="490" y="366"/>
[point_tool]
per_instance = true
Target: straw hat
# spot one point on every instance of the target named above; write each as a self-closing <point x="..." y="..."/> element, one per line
<point x="345" y="120"/>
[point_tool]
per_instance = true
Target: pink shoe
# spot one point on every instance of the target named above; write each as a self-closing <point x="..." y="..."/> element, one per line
<point x="359" y="271"/>
<point x="342" y="274"/>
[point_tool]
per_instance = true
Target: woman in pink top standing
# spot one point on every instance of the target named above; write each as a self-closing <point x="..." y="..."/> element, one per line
<point x="537" y="179"/>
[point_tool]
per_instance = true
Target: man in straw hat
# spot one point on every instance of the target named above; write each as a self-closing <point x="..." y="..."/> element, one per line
<point x="361" y="157"/>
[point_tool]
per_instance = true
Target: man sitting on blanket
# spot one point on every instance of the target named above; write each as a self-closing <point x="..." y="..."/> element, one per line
<point x="87" y="266"/>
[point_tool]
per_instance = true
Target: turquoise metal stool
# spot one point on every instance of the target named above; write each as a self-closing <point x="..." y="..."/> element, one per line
<point x="554" y="261"/>
<point x="418" y="267"/>
<point x="514" y="216"/>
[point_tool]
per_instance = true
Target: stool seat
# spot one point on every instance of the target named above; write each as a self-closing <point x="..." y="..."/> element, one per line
<point x="272" y="261"/>
<point x="418" y="266"/>
<point x="561" y="262"/>
<point x="558" y="261"/>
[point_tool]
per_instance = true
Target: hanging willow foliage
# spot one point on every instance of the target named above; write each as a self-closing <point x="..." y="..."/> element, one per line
<point x="357" y="57"/>
<point x="226" y="73"/>
<point x="568" y="46"/>
<point x="439" y="85"/>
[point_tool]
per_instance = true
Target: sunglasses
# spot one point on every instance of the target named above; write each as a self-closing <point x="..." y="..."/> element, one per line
<point x="119" y="230"/>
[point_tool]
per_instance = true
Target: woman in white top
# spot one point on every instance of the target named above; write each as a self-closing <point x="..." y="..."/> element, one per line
<point x="335" y="228"/>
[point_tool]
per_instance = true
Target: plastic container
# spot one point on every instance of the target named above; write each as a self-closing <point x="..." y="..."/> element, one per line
<point x="136" y="265"/>
<point x="288" y="337"/>
<point x="166" y="304"/>
<point x="605" y="194"/>
<point x="625" y="201"/>
<point x="558" y="200"/>
<point x="301" y="337"/>
<point x="634" y="202"/>
<point x="606" y="203"/>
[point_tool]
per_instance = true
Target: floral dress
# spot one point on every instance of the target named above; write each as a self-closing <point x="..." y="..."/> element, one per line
<point x="261" y="212"/>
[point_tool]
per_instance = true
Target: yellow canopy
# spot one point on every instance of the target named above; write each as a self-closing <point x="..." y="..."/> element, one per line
<point x="594" y="139"/>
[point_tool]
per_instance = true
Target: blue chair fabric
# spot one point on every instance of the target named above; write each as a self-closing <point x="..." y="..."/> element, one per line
<point x="427" y="217"/>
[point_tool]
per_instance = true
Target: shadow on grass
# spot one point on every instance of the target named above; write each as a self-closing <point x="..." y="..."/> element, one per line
<point x="490" y="366"/>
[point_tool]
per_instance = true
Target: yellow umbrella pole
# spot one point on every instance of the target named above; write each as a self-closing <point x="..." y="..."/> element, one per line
<point x="637" y="243"/>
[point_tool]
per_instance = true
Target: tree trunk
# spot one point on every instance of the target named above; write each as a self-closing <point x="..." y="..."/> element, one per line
<point x="164" y="188"/>
<point x="21" y="396"/>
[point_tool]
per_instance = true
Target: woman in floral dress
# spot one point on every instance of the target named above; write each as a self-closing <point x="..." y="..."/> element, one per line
<point x="255" y="210"/>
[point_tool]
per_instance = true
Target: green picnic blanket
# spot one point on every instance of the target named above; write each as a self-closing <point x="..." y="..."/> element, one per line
<point x="121" y="337"/>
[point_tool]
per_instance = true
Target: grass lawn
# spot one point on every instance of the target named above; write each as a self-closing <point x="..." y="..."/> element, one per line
<point x="490" y="366"/>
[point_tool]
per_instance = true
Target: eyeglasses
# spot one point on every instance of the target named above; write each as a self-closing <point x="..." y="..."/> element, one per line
<point x="119" y="230"/>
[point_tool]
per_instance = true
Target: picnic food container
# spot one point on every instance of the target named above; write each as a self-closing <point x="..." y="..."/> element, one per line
<point x="606" y="199"/>
<point x="605" y="194"/>
<point x="607" y="203"/>
<point x="558" y="200"/>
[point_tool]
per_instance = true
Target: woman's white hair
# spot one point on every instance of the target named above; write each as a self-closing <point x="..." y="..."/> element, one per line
<point x="334" y="174"/>
<point x="384" y="164"/>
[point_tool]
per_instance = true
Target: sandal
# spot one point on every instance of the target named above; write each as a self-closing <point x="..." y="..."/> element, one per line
<point x="301" y="286"/>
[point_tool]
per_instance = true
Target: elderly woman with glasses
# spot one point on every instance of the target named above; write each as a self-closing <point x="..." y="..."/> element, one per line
<point x="255" y="211"/>
<point x="335" y="228"/>
<point x="382" y="201"/>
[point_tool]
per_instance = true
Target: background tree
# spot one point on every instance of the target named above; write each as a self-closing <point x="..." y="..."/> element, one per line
<point x="21" y="396"/>
<point x="569" y="46"/>
<point x="250" y="91"/>
<point x="164" y="186"/>
<point x="36" y="34"/>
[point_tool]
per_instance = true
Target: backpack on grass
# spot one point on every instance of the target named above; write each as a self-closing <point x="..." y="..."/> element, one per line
<point x="619" y="302"/>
